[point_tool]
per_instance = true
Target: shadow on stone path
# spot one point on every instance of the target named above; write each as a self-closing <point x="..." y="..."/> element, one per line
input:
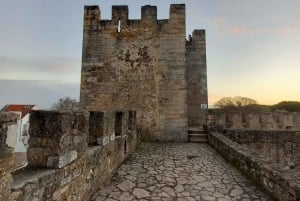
<point x="180" y="172"/>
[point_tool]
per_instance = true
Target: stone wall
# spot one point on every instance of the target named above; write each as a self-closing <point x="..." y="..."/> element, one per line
<point x="256" y="121"/>
<point x="196" y="79"/>
<point x="279" y="147"/>
<point x="11" y="127"/>
<point x="67" y="158"/>
<point x="265" y="146"/>
<point x="262" y="167"/>
<point x="6" y="154"/>
<point x="142" y="66"/>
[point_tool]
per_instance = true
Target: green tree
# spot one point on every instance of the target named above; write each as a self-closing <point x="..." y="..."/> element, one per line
<point x="289" y="106"/>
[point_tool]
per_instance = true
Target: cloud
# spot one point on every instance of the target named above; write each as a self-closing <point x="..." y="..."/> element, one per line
<point x="48" y="65"/>
<point x="218" y="21"/>
<point x="50" y="68"/>
<point x="238" y="30"/>
<point x="224" y="24"/>
<point x="287" y="31"/>
<point x="212" y="21"/>
<point x="41" y="93"/>
<point x="275" y="31"/>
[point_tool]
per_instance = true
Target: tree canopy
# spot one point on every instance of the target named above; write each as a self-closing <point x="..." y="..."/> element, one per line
<point x="243" y="104"/>
<point x="237" y="102"/>
<point x="289" y="106"/>
<point x="66" y="103"/>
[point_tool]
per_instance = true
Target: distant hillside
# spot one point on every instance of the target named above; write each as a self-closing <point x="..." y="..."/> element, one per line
<point x="290" y="106"/>
<point x="245" y="104"/>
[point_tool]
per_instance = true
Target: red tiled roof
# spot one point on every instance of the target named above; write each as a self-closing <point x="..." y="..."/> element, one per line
<point x="24" y="109"/>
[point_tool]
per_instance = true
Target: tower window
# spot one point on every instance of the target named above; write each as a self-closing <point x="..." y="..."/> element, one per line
<point x="119" y="25"/>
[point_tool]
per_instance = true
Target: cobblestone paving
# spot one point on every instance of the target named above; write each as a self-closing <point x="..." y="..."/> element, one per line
<point x="179" y="172"/>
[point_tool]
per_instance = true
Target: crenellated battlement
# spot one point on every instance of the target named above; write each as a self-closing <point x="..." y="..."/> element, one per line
<point x="177" y="11"/>
<point x="149" y="12"/>
<point x="91" y="15"/>
<point x="119" y="13"/>
<point x="70" y="154"/>
<point x="120" y="16"/>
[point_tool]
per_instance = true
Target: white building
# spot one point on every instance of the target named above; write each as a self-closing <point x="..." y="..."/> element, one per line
<point x="18" y="135"/>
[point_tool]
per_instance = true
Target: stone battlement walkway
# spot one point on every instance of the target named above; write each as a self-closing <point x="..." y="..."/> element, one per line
<point x="179" y="172"/>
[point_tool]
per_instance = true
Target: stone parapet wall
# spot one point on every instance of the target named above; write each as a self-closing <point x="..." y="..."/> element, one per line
<point x="279" y="147"/>
<point x="6" y="154"/>
<point x="64" y="162"/>
<point x="56" y="138"/>
<point x="7" y="120"/>
<point x="256" y="121"/>
<point x="282" y="184"/>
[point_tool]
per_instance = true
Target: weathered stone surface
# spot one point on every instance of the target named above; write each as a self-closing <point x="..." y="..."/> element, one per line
<point x="197" y="99"/>
<point x="198" y="172"/>
<point x="126" y="185"/>
<point x="5" y="186"/>
<point x="6" y="155"/>
<point x="62" y="160"/>
<point x="278" y="147"/>
<point x="256" y="120"/>
<point x="140" y="193"/>
<point x="56" y="134"/>
<point x="71" y="172"/>
<point x="9" y="128"/>
<point x="281" y="183"/>
<point x="144" y="66"/>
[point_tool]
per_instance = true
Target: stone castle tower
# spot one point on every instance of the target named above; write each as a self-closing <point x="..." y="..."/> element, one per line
<point x="145" y="65"/>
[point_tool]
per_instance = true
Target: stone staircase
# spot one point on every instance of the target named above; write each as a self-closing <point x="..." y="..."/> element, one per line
<point x="197" y="134"/>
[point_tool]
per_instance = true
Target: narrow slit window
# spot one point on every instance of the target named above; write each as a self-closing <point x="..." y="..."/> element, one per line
<point x="118" y="123"/>
<point x="119" y="25"/>
<point x="125" y="147"/>
<point x="96" y="128"/>
<point x="130" y="120"/>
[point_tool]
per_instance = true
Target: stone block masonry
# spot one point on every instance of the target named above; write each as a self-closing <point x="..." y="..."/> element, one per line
<point x="145" y="65"/>
<point x="57" y="138"/>
<point x="178" y="172"/>
<point x="6" y="154"/>
<point x="256" y="120"/>
<point x="279" y="147"/>
<point x="283" y="185"/>
<point x="196" y="78"/>
<point x="265" y="146"/>
<point x="70" y="155"/>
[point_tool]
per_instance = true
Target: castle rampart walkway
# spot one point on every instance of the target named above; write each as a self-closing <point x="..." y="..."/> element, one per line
<point x="179" y="172"/>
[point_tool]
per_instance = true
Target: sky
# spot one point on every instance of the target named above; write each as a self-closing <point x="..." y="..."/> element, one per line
<point x="253" y="47"/>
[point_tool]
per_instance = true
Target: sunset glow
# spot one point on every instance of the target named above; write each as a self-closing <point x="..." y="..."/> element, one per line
<point x="253" y="47"/>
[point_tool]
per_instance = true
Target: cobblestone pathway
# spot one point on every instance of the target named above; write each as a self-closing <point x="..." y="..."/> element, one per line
<point x="178" y="172"/>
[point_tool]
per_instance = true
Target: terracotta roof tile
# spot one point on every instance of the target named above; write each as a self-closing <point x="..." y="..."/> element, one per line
<point x="24" y="109"/>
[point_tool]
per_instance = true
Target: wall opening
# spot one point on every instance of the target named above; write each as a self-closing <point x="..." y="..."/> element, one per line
<point x="125" y="147"/>
<point x="96" y="128"/>
<point x="244" y="120"/>
<point x="119" y="25"/>
<point x="130" y="120"/>
<point x="118" y="123"/>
